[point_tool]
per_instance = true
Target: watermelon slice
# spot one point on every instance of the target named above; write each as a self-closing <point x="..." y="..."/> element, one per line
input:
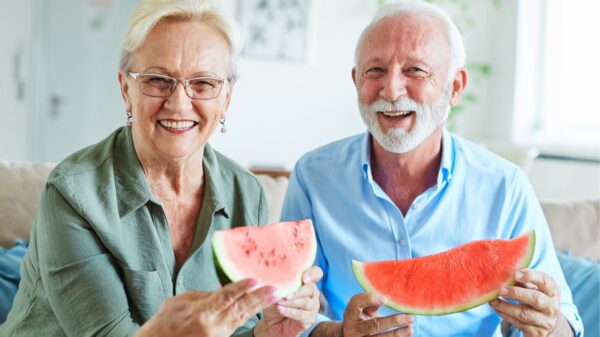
<point x="452" y="281"/>
<point x="275" y="254"/>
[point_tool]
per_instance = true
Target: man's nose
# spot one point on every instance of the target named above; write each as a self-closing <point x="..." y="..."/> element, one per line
<point x="394" y="86"/>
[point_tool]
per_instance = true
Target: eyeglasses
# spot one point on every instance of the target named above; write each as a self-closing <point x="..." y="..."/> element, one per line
<point x="159" y="85"/>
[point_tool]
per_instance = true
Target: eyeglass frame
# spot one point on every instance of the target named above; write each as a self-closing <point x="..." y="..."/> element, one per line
<point x="184" y="81"/>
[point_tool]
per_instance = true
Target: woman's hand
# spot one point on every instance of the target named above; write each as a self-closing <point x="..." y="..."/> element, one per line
<point x="208" y="314"/>
<point x="294" y="314"/>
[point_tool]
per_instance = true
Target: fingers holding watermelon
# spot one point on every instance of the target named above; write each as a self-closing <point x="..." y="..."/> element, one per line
<point x="537" y="311"/>
<point x="312" y="275"/>
<point x="209" y="314"/>
<point x="303" y="305"/>
<point x="293" y="315"/>
<point x="239" y="299"/>
<point x="361" y="319"/>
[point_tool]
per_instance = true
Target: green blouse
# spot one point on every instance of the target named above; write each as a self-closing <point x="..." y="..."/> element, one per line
<point x="100" y="260"/>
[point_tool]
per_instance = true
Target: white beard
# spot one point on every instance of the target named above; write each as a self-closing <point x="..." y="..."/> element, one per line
<point x="397" y="140"/>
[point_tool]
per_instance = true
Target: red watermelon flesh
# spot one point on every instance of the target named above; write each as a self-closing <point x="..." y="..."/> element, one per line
<point x="455" y="280"/>
<point x="275" y="254"/>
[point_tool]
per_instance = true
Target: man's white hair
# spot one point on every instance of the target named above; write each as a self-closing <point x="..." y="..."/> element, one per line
<point x="420" y="7"/>
<point x="150" y="12"/>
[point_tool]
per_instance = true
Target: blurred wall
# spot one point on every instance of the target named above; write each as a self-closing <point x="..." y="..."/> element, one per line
<point x="280" y="109"/>
<point x="15" y="89"/>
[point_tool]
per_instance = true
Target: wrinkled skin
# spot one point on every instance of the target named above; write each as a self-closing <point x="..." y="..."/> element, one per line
<point x="537" y="312"/>
<point x="294" y="314"/>
<point x="208" y="314"/>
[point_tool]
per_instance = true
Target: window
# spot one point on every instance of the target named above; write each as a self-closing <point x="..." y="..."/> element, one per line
<point x="557" y="91"/>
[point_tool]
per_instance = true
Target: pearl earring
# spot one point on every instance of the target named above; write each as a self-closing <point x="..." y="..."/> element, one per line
<point x="222" y="121"/>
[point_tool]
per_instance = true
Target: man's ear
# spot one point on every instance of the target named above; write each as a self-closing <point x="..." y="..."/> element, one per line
<point x="125" y="91"/>
<point x="458" y="86"/>
<point x="354" y="75"/>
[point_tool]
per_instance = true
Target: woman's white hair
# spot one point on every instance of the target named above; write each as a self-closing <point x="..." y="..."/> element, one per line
<point x="150" y="12"/>
<point x="420" y="7"/>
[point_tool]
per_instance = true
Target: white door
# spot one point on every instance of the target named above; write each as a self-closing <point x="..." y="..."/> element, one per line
<point x="15" y="93"/>
<point x="77" y="100"/>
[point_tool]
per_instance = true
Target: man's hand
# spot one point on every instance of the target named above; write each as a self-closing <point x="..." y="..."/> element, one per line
<point x="537" y="312"/>
<point x="293" y="315"/>
<point x="361" y="319"/>
<point x="208" y="314"/>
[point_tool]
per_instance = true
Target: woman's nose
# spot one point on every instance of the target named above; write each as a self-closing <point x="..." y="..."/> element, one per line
<point x="179" y="99"/>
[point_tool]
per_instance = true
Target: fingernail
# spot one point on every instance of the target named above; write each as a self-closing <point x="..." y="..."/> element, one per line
<point x="504" y="291"/>
<point x="306" y="279"/>
<point x="273" y="299"/>
<point x="271" y="289"/>
<point x="381" y="299"/>
<point x="252" y="282"/>
<point x="281" y="308"/>
<point x="518" y="275"/>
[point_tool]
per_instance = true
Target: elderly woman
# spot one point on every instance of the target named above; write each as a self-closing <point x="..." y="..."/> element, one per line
<point x="121" y="245"/>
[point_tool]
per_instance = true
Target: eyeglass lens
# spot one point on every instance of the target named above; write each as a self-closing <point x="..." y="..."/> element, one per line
<point x="162" y="86"/>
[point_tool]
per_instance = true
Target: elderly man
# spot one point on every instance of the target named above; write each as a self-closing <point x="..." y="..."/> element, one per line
<point x="409" y="188"/>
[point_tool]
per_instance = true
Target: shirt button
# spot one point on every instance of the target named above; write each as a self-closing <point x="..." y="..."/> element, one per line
<point x="402" y="242"/>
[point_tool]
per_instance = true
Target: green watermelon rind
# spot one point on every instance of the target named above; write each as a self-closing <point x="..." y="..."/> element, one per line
<point x="231" y="272"/>
<point x="357" y="268"/>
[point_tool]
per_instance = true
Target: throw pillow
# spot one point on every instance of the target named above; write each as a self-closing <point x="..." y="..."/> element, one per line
<point x="10" y="262"/>
<point x="583" y="277"/>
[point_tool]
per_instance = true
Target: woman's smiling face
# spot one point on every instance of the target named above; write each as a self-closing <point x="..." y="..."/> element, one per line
<point x="177" y="127"/>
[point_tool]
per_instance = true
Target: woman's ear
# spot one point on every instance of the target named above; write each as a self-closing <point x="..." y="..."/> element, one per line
<point x="458" y="86"/>
<point x="125" y="91"/>
<point x="230" y="85"/>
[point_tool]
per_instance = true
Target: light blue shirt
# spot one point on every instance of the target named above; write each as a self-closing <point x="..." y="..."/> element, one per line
<point x="477" y="196"/>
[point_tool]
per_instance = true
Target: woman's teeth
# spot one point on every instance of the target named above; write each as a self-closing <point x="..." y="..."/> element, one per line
<point x="180" y="125"/>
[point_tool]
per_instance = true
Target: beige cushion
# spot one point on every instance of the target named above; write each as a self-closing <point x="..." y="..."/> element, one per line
<point x="21" y="184"/>
<point x="575" y="226"/>
<point x="275" y="192"/>
<point x="20" y="187"/>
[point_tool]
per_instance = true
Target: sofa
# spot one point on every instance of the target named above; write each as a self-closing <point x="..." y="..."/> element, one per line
<point x="574" y="224"/>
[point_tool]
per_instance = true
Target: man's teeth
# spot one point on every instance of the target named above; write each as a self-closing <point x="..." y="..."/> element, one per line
<point x="396" y="113"/>
<point x="180" y="125"/>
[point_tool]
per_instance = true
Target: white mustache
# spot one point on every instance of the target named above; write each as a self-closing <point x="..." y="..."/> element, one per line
<point x="401" y="104"/>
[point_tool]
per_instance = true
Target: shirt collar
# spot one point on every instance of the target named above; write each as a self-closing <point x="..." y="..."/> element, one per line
<point x="216" y="188"/>
<point x="365" y="156"/>
<point x="132" y="185"/>
<point x="448" y="158"/>
<point x="446" y="165"/>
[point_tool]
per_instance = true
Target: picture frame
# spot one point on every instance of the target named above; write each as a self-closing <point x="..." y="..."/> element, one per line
<point x="275" y="29"/>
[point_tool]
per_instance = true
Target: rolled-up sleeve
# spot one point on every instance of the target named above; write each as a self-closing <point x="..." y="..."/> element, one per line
<point x="80" y="278"/>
